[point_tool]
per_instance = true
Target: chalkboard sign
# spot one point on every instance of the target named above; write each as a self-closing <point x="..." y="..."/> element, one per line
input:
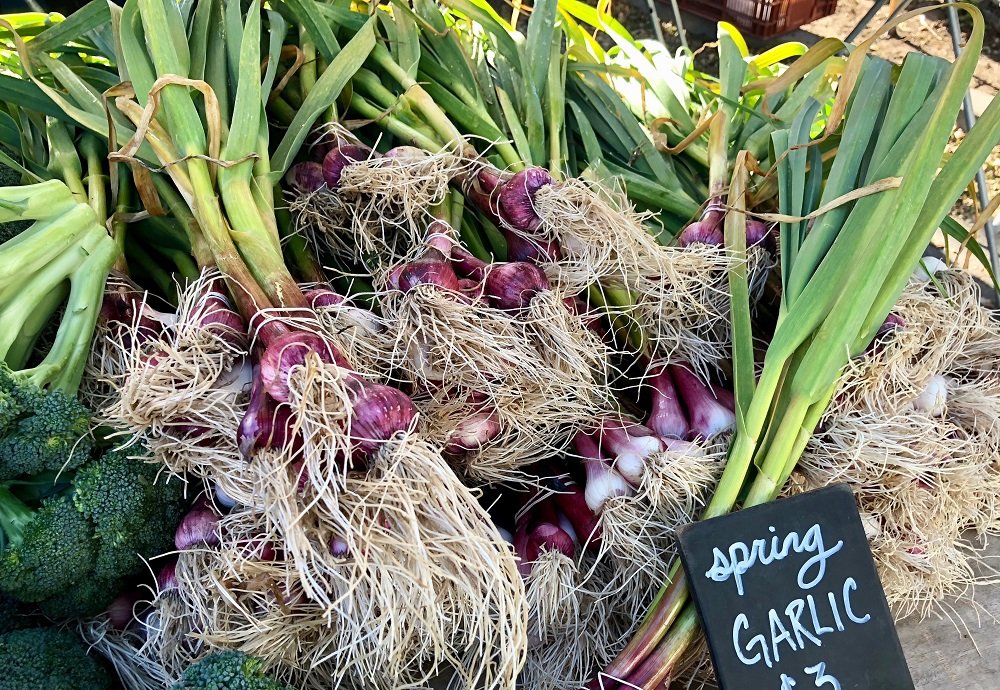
<point x="789" y="598"/>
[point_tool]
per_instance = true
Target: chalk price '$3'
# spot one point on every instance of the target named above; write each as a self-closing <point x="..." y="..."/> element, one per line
<point x="820" y="677"/>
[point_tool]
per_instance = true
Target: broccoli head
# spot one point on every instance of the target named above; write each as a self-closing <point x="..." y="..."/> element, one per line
<point x="42" y="429"/>
<point x="48" y="549"/>
<point x="131" y="512"/>
<point x="70" y="552"/>
<point x="11" y="403"/>
<point x="48" y="659"/>
<point x="230" y="670"/>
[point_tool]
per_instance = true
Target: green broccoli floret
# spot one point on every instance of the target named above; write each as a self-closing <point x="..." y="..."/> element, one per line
<point x="11" y="404"/>
<point x="44" y="430"/>
<point x="131" y="512"/>
<point x="230" y="670"/>
<point x="48" y="659"/>
<point x="69" y="553"/>
<point x="47" y="549"/>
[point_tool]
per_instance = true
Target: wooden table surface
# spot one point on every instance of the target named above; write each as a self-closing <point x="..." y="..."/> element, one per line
<point x="961" y="653"/>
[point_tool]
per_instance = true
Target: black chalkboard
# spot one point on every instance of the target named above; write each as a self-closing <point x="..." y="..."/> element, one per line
<point x="789" y="598"/>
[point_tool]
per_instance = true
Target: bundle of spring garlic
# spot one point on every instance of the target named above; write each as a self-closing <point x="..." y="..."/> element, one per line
<point x="840" y="278"/>
<point x="245" y="386"/>
<point x="913" y="430"/>
<point x="520" y="197"/>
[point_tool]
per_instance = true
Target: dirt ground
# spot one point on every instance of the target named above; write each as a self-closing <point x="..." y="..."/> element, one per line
<point x="928" y="34"/>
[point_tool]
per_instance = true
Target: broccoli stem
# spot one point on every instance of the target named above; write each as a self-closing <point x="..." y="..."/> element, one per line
<point x="35" y="288"/>
<point x="62" y="368"/>
<point x="14" y="515"/>
<point x="39" y="245"/>
<point x="22" y="347"/>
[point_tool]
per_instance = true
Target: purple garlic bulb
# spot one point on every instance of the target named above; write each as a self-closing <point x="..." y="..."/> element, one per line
<point x="517" y="197"/>
<point x="432" y="268"/>
<point x="199" y="526"/>
<point x="339" y="158"/>
<point x="701" y="232"/>
<point x="514" y="285"/>
<point x="759" y="234"/>
<point x="538" y="251"/>
<point x="320" y="297"/>
<point x="549" y="537"/>
<point x="265" y="423"/>
<point x="307" y="177"/>
<point x="287" y="351"/>
<point x="473" y="432"/>
<point x="379" y="412"/>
